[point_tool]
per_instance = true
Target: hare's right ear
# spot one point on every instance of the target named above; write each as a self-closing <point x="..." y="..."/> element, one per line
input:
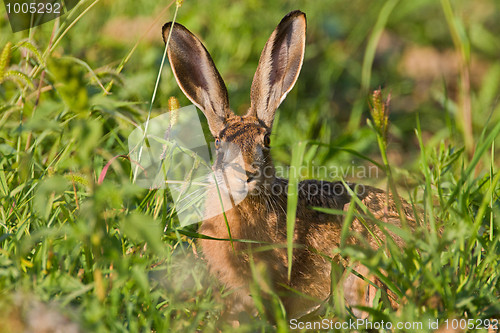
<point x="196" y="75"/>
<point x="279" y="67"/>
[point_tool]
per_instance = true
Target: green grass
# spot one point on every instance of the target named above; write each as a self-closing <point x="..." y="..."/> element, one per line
<point x="111" y="256"/>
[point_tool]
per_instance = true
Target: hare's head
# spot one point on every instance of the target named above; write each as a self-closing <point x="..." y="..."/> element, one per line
<point x="242" y="142"/>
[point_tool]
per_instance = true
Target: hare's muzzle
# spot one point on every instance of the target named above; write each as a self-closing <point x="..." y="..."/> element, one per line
<point x="230" y="172"/>
<point x="252" y="182"/>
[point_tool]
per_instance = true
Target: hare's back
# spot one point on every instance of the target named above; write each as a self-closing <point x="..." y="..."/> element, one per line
<point x="335" y="196"/>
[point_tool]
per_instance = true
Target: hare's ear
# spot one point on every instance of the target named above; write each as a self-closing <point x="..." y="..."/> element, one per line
<point x="279" y="66"/>
<point x="197" y="76"/>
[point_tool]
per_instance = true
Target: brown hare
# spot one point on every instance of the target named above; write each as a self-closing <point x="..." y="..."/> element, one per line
<point x="259" y="196"/>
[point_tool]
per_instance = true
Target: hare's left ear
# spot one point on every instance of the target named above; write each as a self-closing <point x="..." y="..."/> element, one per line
<point x="197" y="75"/>
<point x="279" y="66"/>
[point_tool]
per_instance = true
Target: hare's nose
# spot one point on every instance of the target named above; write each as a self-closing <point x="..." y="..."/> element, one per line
<point x="250" y="176"/>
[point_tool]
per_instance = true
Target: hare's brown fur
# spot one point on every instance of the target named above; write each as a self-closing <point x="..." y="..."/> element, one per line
<point x="260" y="214"/>
<point x="263" y="218"/>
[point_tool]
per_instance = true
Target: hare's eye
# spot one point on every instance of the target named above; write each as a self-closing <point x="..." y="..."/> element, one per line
<point x="267" y="140"/>
<point x="217" y="143"/>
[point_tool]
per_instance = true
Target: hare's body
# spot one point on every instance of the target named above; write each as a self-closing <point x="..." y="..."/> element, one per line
<point x="263" y="219"/>
<point x="254" y="200"/>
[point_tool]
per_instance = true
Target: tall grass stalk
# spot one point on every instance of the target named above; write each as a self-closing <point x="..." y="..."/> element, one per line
<point x="462" y="46"/>
<point x="155" y="90"/>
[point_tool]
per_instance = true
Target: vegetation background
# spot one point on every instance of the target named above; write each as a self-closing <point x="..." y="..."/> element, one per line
<point x="111" y="257"/>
